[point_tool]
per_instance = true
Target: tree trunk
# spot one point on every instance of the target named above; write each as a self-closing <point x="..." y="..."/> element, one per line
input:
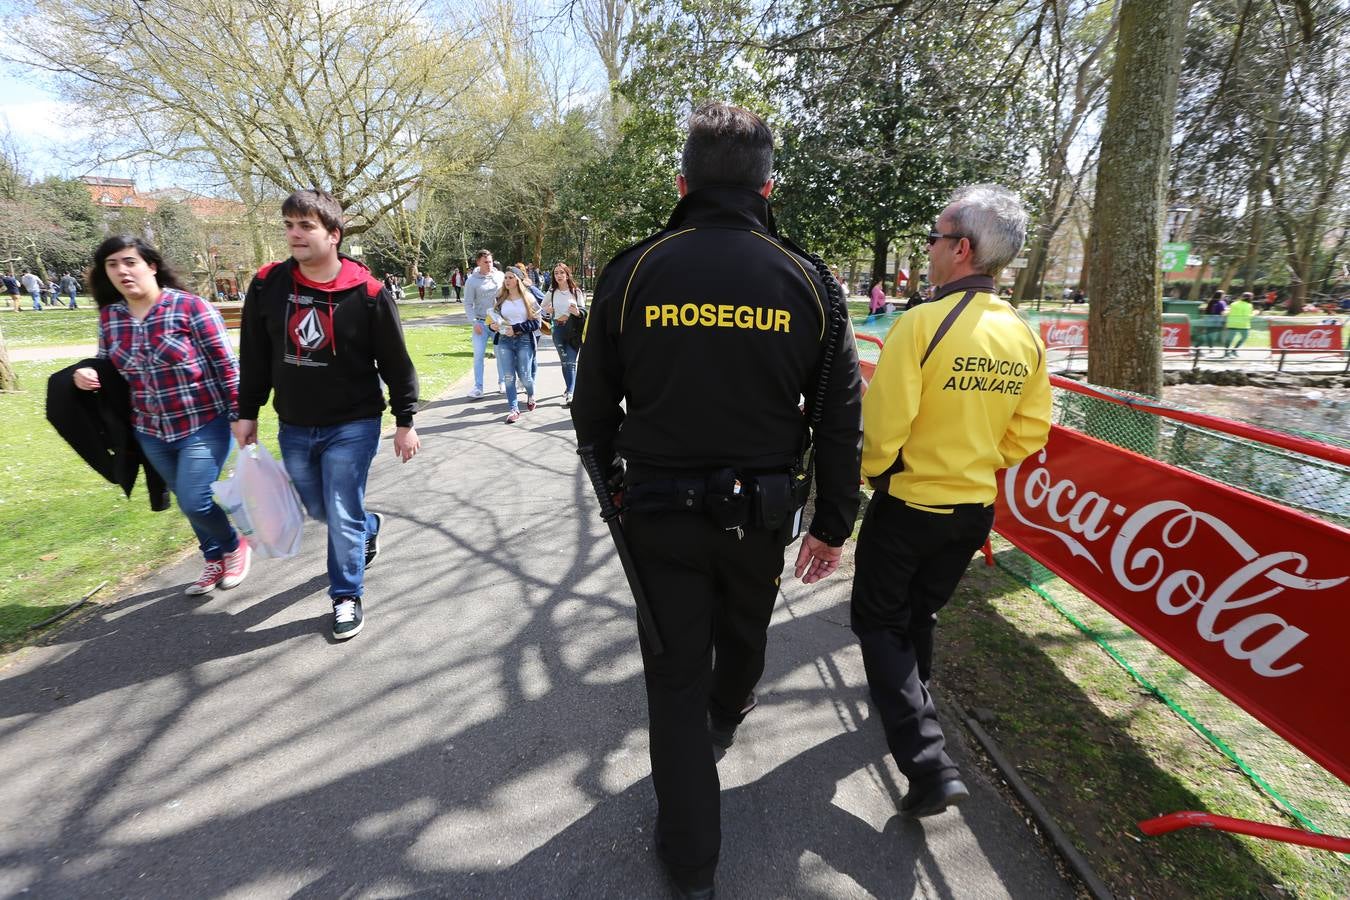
<point x="1085" y="273"/>
<point x="1198" y="284"/>
<point x="1027" y="286"/>
<point x="8" y="380"/>
<point x="1125" y="350"/>
<point x="881" y="245"/>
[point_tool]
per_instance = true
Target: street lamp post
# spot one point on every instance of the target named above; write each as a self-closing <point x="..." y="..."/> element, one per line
<point x="585" y="221"/>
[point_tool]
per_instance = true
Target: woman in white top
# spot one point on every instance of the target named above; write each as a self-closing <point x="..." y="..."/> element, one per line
<point x="566" y="304"/>
<point x="516" y="319"/>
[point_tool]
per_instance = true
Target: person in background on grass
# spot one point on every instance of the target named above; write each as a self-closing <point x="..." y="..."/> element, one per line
<point x="70" y="287"/>
<point x="33" y="285"/>
<point x="457" y="282"/>
<point x="1238" y="323"/>
<point x="320" y="333"/>
<point x="173" y="351"/>
<point x="517" y="320"/>
<point x="877" y="303"/>
<point x="480" y="296"/>
<point x="12" y="288"/>
<point x="1212" y="333"/>
<point x="563" y="302"/>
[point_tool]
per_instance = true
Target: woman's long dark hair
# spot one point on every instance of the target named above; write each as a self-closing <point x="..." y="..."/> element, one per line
<point x="105" y="293"/>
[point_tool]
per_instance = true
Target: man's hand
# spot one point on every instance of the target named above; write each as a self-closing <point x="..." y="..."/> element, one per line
<point x="86" y="379"/>
<point x="245" y="431"/>
<point x="816" y="560"/>
<point x="406" y="443"/>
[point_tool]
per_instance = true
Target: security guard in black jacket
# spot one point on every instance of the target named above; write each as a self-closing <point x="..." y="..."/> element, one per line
<point x="710" y="333"/>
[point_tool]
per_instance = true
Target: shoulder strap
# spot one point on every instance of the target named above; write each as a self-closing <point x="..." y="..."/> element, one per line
<point x="947" y="324"/>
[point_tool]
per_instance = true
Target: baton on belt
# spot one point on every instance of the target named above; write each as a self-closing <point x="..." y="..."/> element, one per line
<point x="610" y="513"/>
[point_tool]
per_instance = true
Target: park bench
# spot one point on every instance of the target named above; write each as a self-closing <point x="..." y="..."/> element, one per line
<point x="232" y="313"/>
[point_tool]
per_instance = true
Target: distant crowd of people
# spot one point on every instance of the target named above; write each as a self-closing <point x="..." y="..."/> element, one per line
<point x="44" y="292"/>
<point x="511" y="310"/>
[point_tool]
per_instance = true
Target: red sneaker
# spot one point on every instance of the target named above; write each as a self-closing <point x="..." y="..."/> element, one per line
<point x="210" y="577"/>
<point x="236" y="564"/>
<point x="512" y="417"/>
<point x="530" y="405"/>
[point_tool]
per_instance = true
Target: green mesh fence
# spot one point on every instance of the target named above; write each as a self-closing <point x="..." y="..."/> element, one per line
<point x="1312" y="797"/>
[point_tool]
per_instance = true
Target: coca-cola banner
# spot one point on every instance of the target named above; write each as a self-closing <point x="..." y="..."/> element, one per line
<point x="1074" y="333"/>
<point x="1064" y="332"/>
<point x="1176" y="335"/>
<point x="1307" y="337"/>
<point x="1251" y="596"/>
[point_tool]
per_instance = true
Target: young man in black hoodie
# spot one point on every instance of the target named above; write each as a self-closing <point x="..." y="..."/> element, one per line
<point x="321" y="332"/>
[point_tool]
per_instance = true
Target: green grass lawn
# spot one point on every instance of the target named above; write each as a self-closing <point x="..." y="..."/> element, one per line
<point x="51" y="326"/>
<point x="63" y="529"/>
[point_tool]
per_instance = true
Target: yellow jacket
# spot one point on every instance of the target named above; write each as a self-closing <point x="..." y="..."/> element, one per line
<point x="935" y="432"/>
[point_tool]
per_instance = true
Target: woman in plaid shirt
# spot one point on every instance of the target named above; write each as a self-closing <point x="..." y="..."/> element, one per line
<point x="173" y="351"/>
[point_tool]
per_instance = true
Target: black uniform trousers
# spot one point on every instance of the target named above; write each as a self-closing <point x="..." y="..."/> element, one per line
<point x="711" y="594"/>
<point x="909" y="562"/>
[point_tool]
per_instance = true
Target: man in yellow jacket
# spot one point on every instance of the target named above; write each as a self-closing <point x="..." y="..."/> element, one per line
<point x="960" y="391"/>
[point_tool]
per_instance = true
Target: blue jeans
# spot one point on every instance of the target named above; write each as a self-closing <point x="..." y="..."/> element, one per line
<point x="328" y="465"/>
<point x="37" y="300"/>
<point x="516" y="355"/>
<point x="189" y="465"/>
<point x="480" y="345"/>
<point x="566" y="353"/>
<point x="72" y="300"/>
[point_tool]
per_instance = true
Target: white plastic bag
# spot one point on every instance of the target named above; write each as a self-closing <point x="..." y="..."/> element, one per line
<point x="262" y="502"/>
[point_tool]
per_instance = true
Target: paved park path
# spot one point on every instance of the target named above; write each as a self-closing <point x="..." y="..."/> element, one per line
<point x="483" y="737"/>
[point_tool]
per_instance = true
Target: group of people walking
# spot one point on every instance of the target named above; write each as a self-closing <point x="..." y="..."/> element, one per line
<point x="320" y="335"/>
<point x="510" y="313"/>
<point x="43" y="292"/>
<point x="1226" y="323"/>
<point x="701" y="400"/>
<point x="711" y="465"/>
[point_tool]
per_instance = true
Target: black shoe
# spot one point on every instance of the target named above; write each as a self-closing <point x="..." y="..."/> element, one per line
<point x="723" y="731"/>
<point x="373" y="541"/>
<point x="933" y="798"/>
<point x="347" y="617"/>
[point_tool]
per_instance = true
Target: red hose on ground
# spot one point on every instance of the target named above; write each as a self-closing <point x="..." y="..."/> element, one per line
<point x="1179" y="820"/>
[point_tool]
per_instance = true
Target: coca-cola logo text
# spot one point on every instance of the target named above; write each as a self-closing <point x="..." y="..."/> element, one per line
<point x="1064" y="334"/>
<point x="1145" y="551"/>
<point x="1295" y="338"/>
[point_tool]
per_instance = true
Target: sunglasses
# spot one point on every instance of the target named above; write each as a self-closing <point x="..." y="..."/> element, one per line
<point x="935" y="236"/>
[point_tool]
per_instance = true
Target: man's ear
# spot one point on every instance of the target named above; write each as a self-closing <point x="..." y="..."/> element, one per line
<point x="767" y="189"/>
<point x="681" y="186"/>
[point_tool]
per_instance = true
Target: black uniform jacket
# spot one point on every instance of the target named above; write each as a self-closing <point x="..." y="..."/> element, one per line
<point x="97" y="425"/>
<point x="710" y="333"/>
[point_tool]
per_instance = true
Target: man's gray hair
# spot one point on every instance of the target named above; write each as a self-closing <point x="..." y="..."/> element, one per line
<point x="994" y="219"/>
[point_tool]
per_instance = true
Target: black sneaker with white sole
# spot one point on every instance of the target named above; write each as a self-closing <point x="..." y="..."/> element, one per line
<point x="373" y="540"/>
<point x="347" y="617"/>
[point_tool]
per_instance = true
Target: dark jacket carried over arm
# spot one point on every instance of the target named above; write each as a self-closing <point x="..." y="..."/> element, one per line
<point x="97" y="426"/>
<point x="709" y="334"/>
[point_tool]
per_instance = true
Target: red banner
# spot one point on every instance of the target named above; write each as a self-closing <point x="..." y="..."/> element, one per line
<point x="1074" y="333"/>
<point x="1308" y="338"/>
<point x="1176" y="335"/>
<point x="1251" y="596"/>
<point x="1064" y="332"/>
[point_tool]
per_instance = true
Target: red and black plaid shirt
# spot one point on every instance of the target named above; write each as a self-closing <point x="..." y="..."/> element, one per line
<point x="177" y="360"/>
